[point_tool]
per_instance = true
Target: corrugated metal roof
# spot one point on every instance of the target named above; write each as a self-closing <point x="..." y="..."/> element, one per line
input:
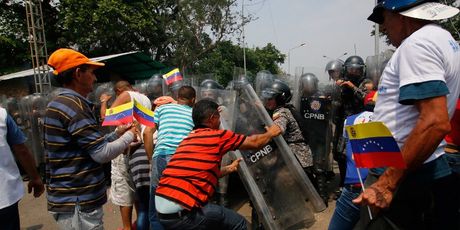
<point x="134" y="64"/>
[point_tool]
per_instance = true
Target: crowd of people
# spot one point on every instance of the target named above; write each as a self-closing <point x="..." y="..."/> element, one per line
<point x="170" y="172"/>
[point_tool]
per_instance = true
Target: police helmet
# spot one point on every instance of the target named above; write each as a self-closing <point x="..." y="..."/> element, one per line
<point x="334" y="69"/>
<point x="354" y="65"/>
<point x="209" y="89"/>
<point x="308" y="84"/>
<point x="278" y="90"/>
<point x="156" y="86"/>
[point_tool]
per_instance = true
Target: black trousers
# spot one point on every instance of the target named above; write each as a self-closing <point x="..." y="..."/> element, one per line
<point x="9" y="217"/>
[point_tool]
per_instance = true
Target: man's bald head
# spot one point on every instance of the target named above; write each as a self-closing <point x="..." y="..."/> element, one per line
<point x="122" y="86"/>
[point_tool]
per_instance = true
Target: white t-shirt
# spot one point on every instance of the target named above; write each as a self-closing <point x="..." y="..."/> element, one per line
<point x="11" y="187"/>
<point x="429" y="54"/>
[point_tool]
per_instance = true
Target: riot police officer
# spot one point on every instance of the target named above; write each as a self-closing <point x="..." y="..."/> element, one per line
<point x="316" y="115"/>
<point x="353" y="72"/>
<point x="209" y="89"/>
<point x="334" y="69"/>
<point x="276" y="100"/>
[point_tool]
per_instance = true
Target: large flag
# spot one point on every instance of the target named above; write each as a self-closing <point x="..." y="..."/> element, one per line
<point x="172" y="76"/>
<point x="373" y="146"/>
<point x="120" y="115"/>
<point x="143" y="115"/>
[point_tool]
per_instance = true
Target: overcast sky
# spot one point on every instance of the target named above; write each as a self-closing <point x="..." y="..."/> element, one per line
<point x="327" y="27"/>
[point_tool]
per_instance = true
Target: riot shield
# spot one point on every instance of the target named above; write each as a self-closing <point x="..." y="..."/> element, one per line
<point x="316" y="112"/>
<point x="281" y="192"/>
<point x="153" y="88"/>
<point x="263" y="80"/>
<point x="226" y="100"/>
<point x="376" y="64"/>
<point x="32" y="110"/>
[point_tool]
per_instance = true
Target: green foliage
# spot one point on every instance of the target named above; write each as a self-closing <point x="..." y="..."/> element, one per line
<point x="190" y="34"/>
<point x="226" y="56"/>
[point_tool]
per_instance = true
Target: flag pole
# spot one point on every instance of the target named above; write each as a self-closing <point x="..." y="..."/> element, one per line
<point x="362" y="186"/>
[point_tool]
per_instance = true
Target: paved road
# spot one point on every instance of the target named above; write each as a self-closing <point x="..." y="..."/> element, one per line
<point x="34" y="215"/>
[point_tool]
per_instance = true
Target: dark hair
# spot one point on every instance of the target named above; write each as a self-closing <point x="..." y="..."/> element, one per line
<point x="202" y="111"/>
<point x="66" y="76"/>
<point x="186" y="92"/>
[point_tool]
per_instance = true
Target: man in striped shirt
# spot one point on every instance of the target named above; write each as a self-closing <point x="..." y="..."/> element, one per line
<point x="74" y="147"/>
<point x="174" y="122"/>
<point x="191" y="176"/>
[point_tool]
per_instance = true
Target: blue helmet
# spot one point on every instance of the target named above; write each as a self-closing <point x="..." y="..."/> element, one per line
<point x="413" y="8"/>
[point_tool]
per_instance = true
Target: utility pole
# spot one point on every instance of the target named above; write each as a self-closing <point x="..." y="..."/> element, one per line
<point x="244" y="41"/>
<point x="37" y="41"/>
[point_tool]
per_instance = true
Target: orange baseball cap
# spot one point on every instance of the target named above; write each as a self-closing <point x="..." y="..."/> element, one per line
<point x="64" y="59"/>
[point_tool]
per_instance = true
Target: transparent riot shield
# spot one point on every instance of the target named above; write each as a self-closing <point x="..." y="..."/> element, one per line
<point x="263" y="80"/>
<point x="375" y="65"/>
<point x="32" y="110"/>
<point x="316" y="112"/>
<point x="153" y="88"/>
<point x="281" y="192"/>
<point x="226" y="101"/>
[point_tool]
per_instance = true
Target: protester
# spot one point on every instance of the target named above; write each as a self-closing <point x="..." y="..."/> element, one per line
<point x="124" y="191"/>
<point x="417" y="95"/>
<point x="74" y="147"/>
<point x="173" y="122"/>
<point x="191" y="176"/>
<point x="11" y="188"/>
<point x="453" y="154"/>
<point x="346" y="214"/>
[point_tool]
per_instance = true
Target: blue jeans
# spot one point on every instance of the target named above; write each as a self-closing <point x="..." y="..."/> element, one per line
<point x="211" y="216"/>
<point x="80" y="220"/>
<point x="143" y="201"/>
<point x="346" y="214"/>
<point x="158" y="166"/>
<point x="454" y="162"/>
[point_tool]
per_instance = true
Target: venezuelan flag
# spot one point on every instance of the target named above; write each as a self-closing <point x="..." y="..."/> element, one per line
<point x="172" y="76"/>
<point x="373" y="146"/>
<point x="120" y="115"/>
<point x="143" y="115"/>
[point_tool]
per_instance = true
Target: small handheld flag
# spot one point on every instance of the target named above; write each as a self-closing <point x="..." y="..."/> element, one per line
<point x="143" y="115"/>
<point x="373" y="146"/>
<point x="120" y="115"/>
<point x="172" y="76"/>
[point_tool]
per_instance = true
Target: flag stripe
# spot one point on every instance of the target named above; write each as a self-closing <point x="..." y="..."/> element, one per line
<point x="370" y="129"/>
<point x="379" y="159"/>
<point x="116" y="122"/>
<point x="119" y="109"/>
<point x="376" y="144"/>
<point x="143" y="118"/>
<point x="174" y="71"/>
<point x="139" y="107"/>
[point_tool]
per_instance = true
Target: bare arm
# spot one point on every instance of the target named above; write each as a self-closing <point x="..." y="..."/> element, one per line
<point x="103" y="99"/>
<point x="230" y="168"/>
<point x="121" y="99"/>
<point x="260" y="140"/>
<point x="431" y="127"/>
<point x="27" y="161"/>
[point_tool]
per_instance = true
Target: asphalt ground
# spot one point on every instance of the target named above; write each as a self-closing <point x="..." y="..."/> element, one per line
<point x="34" y="214"/>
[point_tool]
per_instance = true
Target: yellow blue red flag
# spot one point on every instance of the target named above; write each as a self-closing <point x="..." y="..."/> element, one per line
<point x="172" y="76"/>
<point x="373" y="146"/>
<point x="143" y="115"/>
<point x="120" y="115"/>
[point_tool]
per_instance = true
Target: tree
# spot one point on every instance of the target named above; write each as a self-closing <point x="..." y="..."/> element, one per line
<point x="226" y="56"/>
<point x="175" y="32"/>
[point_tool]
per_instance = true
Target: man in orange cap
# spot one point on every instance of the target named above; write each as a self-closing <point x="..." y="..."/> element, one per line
<point x="75" y="149"/>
